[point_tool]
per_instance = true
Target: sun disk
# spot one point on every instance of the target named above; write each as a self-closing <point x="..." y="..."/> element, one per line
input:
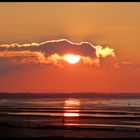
<point x="71" y="58"/>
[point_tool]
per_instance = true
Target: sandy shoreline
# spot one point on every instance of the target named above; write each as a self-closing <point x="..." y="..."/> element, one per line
<point x="19" y="132"/>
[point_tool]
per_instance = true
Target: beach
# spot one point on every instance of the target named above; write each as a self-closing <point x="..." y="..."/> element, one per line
<point x="70" y="117"/>
<point x="18" y="132"/>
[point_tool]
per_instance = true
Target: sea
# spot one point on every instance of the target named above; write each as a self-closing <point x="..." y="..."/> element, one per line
<point x="71" y="111"/>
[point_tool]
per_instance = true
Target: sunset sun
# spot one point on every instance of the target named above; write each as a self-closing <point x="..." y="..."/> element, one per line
<point x="71" y="58"/>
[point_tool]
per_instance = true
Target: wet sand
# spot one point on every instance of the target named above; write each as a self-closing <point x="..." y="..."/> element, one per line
<point x="15" y="132"/>
<point x="96" y="126"/>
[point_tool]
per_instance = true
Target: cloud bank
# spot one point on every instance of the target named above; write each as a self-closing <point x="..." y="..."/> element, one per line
<point x="52" y="52"/>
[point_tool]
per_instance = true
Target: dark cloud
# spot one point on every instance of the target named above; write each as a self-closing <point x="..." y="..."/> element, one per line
<point x="60" y="47"/>
<point x="50" y="52"/>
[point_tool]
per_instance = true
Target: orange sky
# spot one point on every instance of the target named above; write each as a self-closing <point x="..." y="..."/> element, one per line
<point x="113" y="25"/>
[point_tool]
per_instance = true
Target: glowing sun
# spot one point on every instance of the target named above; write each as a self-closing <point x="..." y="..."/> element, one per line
<point x="71" y="58"/>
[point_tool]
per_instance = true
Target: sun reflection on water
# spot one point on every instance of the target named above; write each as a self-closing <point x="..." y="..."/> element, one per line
<point x="71" y="107"/>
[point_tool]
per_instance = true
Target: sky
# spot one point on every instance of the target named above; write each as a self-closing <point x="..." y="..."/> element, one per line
<point x="35" y="38"/>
